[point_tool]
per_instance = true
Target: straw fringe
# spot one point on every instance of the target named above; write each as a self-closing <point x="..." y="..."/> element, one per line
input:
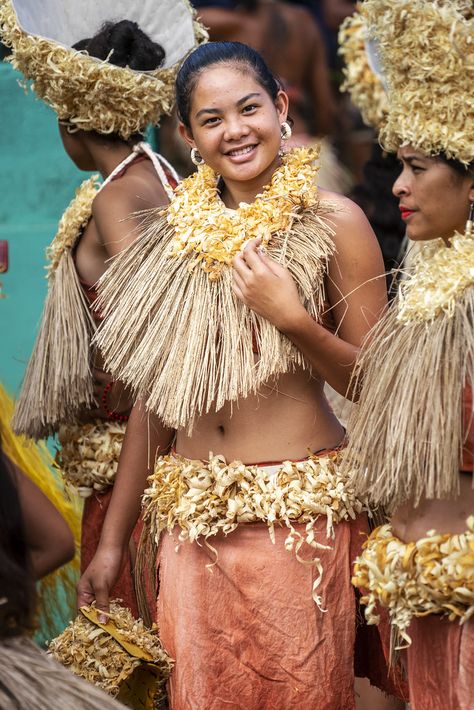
<point x="58" y="379"/>
<point x="30" y="679"/>
<point x="406" y="435"/>
<point x="183" y="343"/>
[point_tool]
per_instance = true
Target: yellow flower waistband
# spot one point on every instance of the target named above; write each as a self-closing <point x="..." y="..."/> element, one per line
<point x="434" y="575"/>
<point x="204" y="498"/>
<point x="89" y="454"/>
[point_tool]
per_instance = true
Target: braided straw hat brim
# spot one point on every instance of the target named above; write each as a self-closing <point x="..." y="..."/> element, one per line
<point x="90" y="93"/>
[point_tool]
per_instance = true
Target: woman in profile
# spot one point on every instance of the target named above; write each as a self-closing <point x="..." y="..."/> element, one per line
<point x="105" y="90"/>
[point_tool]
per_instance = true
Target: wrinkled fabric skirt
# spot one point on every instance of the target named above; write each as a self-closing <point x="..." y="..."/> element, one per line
<point x="440" y="664"/>
<point x="246" y="633"/>
<point x="95" y="510"/>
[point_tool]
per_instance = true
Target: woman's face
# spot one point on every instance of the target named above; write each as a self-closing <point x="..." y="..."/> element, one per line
<point x="434" y="199"/>
<point x="235" y="124"/>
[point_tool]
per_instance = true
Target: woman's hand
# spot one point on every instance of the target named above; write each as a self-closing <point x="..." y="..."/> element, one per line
<point x="99" y="578"/>
<point x="266" y="287"/>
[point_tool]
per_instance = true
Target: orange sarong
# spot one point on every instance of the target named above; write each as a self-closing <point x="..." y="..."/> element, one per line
<point x="95" y="510"/>
<point x="245" y="632"/>
<point x="440" y="664"/>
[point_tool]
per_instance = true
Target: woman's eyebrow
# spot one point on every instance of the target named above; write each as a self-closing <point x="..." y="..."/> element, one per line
<point x="247" y="97"/>
<point x="238" y="103"/>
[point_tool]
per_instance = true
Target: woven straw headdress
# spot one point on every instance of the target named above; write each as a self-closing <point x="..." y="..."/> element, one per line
<point x="361" y="78"/>
<point x="90" y="93"/>
<point x="426" y="49"/>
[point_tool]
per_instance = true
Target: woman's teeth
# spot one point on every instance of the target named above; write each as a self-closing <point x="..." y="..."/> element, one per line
<point x="241" y="151"/>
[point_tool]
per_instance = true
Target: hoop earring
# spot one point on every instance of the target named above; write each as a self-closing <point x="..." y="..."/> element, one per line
<point x="470" y="220"/>
<point x="286" y="131"/>
<point x="196" y="157"/>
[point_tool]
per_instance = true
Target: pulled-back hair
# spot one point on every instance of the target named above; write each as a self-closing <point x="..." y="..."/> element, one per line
<point x="459" y="168"/>
<point x="231" y="53"/>
<point x="125" y="45"/>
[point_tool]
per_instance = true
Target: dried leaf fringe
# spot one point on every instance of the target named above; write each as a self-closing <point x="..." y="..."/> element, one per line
<point x="58" y="379"/>
<point x="145" y="573"/>
<point x="182" y="342"/>
<point x="31" y="679"/>
<point x="406" y="435"/>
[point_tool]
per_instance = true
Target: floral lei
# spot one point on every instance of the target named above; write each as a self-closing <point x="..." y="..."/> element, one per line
<point x="205" y="228"/>
<point x="440" y="275"/>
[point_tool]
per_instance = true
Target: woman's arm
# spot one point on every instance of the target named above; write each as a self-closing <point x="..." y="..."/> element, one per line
<point x="355" y="287"/>
<point x="144" y="438"/>
<point x="49" y="541"/>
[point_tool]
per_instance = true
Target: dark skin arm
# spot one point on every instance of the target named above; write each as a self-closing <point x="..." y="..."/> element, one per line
<point x="144" y="439"/>
<point x="355" y="288"/>
<point x="48" y="538"/>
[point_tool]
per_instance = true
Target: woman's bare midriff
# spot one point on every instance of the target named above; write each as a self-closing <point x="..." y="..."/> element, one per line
<point x="287" y="419"/>
<point x="411" y="523"/>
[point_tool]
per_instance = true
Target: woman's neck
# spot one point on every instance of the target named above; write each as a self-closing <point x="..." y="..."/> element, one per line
<point x="107" y="156"/>
<point x="234" y="191"/>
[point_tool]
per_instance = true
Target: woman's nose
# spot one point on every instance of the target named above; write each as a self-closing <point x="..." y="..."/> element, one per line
<point x="235" y="129"/>
<point x="400" y="186"/>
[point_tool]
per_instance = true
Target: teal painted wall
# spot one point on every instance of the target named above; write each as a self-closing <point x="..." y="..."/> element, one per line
<point x="37" y="182"/>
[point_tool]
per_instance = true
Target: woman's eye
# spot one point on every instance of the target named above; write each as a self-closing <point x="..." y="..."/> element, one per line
<point x="417" y="168"/>
<point x="249" y="108"/>
<point x="211" y="121"/>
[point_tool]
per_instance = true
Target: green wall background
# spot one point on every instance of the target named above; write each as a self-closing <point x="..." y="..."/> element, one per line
<point x="37" y="182"/>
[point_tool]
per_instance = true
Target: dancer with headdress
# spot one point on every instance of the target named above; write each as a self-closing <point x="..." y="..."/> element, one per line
<point x="106" y="81"/>
<point x="416" y="373"/>
<point x="213" y="318"/>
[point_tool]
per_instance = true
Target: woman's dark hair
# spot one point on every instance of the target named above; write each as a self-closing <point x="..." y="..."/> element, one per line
<point x="17" y="590"/>
<point x="456" y="165"/>
<point x="212" y="53"/>
<point x="125" y="45"/>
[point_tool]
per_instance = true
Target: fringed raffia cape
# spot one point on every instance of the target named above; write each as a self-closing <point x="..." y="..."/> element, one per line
<point x="29" y="679"/>
<point x="58" y="379"/>
<point x="406" y="434"/>
<point x="184" y="343"/>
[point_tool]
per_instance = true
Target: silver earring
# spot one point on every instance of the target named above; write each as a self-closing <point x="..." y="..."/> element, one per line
<point x="196" y="157"/>
<point x="286" y="131"/>
<point x="470" y="220"/>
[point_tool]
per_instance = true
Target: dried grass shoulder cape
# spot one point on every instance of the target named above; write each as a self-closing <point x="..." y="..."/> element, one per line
<point x="406" y="436"/>
<point x="58" y="381"/>
<point x="173" y="330"/>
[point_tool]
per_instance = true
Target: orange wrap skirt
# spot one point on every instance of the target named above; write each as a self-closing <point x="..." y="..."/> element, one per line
<point x="440" y="663"/>
<point x="242" y="626"/>
<point x="95" y="510"/>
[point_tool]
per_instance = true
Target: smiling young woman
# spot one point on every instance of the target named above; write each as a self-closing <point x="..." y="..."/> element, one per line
<point x="225" y="332"/>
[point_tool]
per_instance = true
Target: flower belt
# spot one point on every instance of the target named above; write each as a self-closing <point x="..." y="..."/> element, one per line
<point x="207" y="498"/>
<point x="89" y="454"/>
<point x="434" y="575"/>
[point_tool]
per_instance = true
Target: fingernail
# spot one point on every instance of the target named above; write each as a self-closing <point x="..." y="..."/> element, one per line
<point x="102" y="619"/>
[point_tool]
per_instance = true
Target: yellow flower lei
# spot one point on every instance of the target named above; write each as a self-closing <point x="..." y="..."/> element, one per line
<point x="205" y="228"/>
<point x="75" y="218"/>
<point x="441" y="273"/>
